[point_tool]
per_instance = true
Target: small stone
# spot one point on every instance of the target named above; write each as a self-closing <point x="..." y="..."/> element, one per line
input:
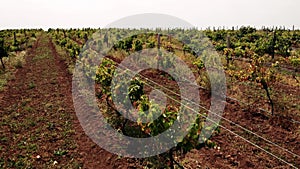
<point x="55" y="162"/>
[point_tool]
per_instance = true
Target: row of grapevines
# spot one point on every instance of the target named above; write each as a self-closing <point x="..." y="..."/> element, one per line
<point x="15" y="41"/>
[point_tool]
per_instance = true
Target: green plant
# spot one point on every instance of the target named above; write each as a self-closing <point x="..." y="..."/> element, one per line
<point x="295" y="62"/>
<point x="199" y="63"/>
<point x="31" y="85"/>
<point x="137" y="45"/>
<point x="19" y="64"/>
<point x="104" y="75"/>
<point x="228" y="52"/>
<point x="60" y="152"/>
<point x="259" y="73"/>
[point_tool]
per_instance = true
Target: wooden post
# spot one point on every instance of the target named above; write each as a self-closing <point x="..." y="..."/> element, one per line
<point x="228" y="41"/>
<point x="158" y="50"/>
<point x="273" y="44"/>
<point x="85" y="37"/>
<point x="228" y="57"/>
<point x="2" y="63"/>
<point x="106" y="39"/>
<point x="158" y="41"/>
<point x="15" y="38"/>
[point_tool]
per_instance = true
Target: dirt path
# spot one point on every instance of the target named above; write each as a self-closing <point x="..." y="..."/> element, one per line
<point x="38" y="127"/>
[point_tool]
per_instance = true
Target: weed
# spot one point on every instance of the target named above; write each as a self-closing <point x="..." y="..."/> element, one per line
<point x="31" y="85"/>
<point x="28" y="109"/>
<point x="19" y="64"/>
<point x="4" y="139"/>
<point x="31" y="123"/>
<point x="3" y="83"/>
<point x="60" y="152"/>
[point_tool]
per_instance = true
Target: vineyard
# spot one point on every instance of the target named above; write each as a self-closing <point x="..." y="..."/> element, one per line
<point x="259" y="127"/>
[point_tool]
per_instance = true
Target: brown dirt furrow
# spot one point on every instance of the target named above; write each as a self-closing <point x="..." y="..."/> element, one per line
<point x="91" y="154"/>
